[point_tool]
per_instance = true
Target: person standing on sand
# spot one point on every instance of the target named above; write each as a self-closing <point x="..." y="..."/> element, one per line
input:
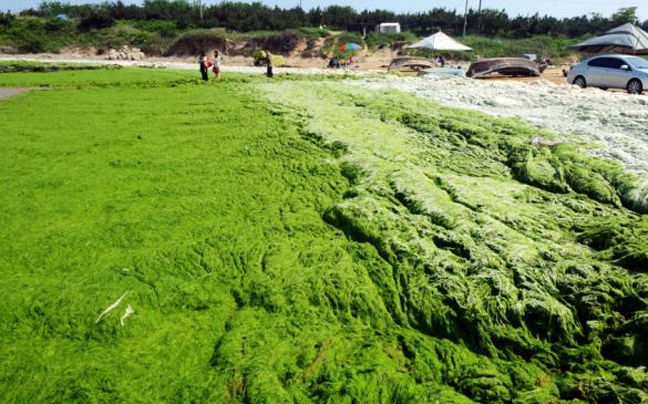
<point x="202" y="61"/>
<point x="268" y="62"/>
<point x="217" y="65"/>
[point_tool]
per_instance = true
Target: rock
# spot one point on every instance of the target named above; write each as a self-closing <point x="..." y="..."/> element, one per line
<point x="137" y="56"/>
<point x="113" y="55"/>
<point x="126" y="53"/>
<point x="8" y="50"/>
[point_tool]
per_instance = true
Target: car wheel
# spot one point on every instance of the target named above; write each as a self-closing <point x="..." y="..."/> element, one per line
<point x="634" y="87"/>
<point x="580" y="82"/>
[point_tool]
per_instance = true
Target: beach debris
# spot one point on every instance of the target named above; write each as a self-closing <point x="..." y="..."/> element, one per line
<point x="542" y="142"/>
<point x="111" y="307"/>
<point x="127" y="313"/>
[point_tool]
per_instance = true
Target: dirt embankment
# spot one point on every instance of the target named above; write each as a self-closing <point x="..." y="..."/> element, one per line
<point x="286" y="44"/>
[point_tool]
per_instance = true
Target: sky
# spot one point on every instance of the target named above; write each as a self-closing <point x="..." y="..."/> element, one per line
<point x="556" y="8"/>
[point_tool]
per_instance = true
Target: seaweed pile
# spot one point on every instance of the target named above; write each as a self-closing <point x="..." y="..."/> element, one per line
<point x="520" y="266"/>
<point x="304" y="241"/>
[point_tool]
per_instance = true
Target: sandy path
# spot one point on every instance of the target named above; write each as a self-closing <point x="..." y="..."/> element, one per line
<point x="186" y="64"/>
<point x="365" y="63"/>
<point x="10" y="92"/>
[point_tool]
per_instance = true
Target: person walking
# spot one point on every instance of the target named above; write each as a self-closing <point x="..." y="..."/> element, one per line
<point x="202" y="62"/>
<point x="217" y="65"/>
<point x="268" y="62"/>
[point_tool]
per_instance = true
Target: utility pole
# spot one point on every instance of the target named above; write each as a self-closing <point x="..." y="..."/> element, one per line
<point x="200" y="9"/>
<point x="479" y="21"/>
<point x="465" y="18"/>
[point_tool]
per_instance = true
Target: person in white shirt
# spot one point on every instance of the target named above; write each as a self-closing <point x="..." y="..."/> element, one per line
<point x="217" y="65"/>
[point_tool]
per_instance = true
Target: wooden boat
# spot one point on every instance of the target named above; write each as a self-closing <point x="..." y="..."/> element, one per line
<point x="412" y="64"/>
<point x="506" y="66"/>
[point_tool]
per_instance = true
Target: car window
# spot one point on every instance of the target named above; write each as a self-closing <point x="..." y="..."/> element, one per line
<point x="598" y="62"/>
<point x="614" y="63"/>
<point x="607" y="62"/>
<point x="638" y="63"/>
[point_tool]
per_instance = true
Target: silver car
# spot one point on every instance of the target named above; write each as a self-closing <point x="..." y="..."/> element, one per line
<point x="611" y="71"/>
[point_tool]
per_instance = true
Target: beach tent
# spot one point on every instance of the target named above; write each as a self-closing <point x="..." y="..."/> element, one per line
<point x="440" y="42"/>
<point x="626" y="38"/>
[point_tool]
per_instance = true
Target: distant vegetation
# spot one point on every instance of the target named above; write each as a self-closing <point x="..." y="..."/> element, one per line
<point x="246" y="17"/>
<point x="543" y="45"/>
<point x="157" y="26"/>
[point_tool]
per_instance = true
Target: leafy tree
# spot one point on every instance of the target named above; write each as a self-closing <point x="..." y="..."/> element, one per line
<point x="96" y="20"/>
<point x="6" y="19"/>
<point x="624" y="15"/>
<point x="493" y="22"/>
<point x="339" y="16"/>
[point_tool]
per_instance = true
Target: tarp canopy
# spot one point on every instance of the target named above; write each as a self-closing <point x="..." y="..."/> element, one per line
<point x="440" y="42"/>
<point x="626" y="38"/>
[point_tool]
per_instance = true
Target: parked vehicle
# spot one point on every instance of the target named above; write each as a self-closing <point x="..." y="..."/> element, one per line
<point x="611" y="71"/>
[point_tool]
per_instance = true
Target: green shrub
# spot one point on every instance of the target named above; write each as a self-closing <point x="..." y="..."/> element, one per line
<point x="96" y="20"/>
<point x="36" y="35"/>
<point x="277" y="43"/>
<point x="332" y="44"/>
<point x="350" y="37"/>
<point x="315" y="32"/>
<point x="195" y="41"/>
<point x="374" y="40"/>
<point x="546" y="46"/>
<point x="6" y="19"/>
<point x="121" y="35"/>
<point x="163" y="28"/>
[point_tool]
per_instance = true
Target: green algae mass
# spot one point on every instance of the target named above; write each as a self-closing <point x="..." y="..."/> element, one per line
<point x="304" y="241"/>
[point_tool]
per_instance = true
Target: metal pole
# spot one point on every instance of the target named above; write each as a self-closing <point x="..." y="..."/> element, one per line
<point x="465" y="18"/>
<point x="479" y="18"/>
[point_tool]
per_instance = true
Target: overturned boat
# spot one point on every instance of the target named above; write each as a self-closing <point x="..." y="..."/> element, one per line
<point x="409" y="63"/>
<point x="506" y="66"/>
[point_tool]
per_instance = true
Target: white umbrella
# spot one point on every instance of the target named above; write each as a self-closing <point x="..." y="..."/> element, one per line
<point x="440" y="42"/>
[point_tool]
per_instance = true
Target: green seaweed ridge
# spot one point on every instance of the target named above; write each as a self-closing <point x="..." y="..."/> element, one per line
<point x="478" y="259"/>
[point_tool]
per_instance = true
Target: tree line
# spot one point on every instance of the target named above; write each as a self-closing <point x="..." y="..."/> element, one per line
<point x="245" y="17"/>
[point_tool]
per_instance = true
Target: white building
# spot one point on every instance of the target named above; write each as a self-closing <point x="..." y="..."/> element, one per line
<point x="389" y="27"/>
